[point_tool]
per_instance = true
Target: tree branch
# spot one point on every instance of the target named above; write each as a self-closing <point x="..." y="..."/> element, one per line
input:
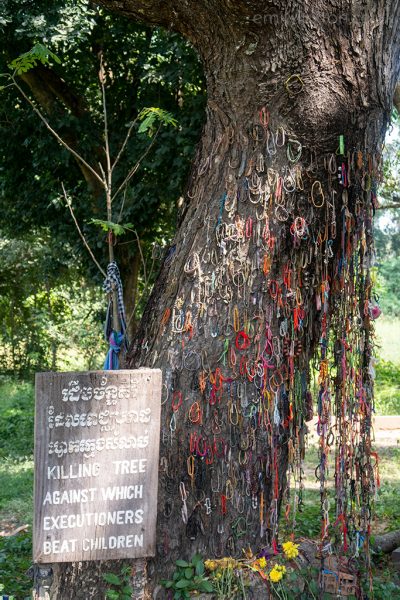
<point x="68" y="202"/>
<point x="151" y="12"/>
<point x="136" y="166"/>
<point x="124" y="143"/>
<point x="387" y="542"/>
<point x="386" y="206"/>
<point x="187" y="17"/>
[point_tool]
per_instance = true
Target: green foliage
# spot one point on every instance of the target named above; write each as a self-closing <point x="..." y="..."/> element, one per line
<point x="149" y="118"/>
<point x="309" y="576"/>
<point x="16" y="448"/>
<point x="27" y="61"/>
<point x="16" y="484"/>
<point x="385" y="580"/>
<point x="387" y="388"/>
<point x="15" y="560"/>
<point x="387" y="226"/>
<point x="2" y="591"/>
<point x="308" y="518"/>
<point x="16" y="419"/>
<point x="151" y="68"/>
<point x="386" y="507"/>
<point x="121" y="588"/>
<point x="391" y="157"/>
<point x="386" y="590"/>
<point x="49" y="313"/>
<point x="188" y="577"/>
<point x="116" y="228"/>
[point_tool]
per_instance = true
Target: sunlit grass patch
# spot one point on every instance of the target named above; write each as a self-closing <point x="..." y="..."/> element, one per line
<point x="16" y="485"/>
<point x="387" y="388"/>
<point x="388" y="339"/>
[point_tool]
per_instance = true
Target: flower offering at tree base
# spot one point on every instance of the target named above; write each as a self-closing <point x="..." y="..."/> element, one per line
<point x="277" y="573"/>
<point x="290" y="549"/>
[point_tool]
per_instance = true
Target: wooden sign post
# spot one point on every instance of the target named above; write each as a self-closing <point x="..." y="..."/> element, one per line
<point x="96" y="465"/>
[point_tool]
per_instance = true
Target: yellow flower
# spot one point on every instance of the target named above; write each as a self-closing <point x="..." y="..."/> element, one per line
<point x="221" y="563"/>
<point x="262" y="562"/>
<point x="210" y="565"/>
<point x="281" y="568"/>
<point x="290" y="549"/>
<point x="276" y="574"/>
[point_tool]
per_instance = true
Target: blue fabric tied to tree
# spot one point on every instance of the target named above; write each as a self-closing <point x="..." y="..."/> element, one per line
<point x="116" y="339"/>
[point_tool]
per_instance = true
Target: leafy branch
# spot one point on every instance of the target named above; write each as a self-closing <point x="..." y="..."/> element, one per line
<point x="27" y="61"/>
<point x="150" y="116"/>
<point x="151" y="120"/>
<point x="116" y="228"/>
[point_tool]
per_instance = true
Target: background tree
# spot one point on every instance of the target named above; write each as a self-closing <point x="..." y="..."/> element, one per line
<point x="153" y="68"/>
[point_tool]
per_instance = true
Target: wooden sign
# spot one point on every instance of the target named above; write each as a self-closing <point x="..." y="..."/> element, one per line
<point x="96" y="465"/>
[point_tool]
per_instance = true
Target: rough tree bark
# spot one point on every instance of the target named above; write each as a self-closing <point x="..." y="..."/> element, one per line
<point x="235" y="316"/>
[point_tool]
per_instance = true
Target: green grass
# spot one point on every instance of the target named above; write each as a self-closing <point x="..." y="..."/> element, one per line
<point x="16" y="418"/>
<point x="15" y="560"/>
<point x="387" y="388"/>
<point x="16" y="449"/>
<point x="388" y="339"/>
<point x="387" y="383"/>
<point x="387" y="507"/>
<point x="16" y="485"/>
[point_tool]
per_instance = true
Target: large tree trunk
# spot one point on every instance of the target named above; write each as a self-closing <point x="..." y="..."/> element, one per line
<point x="262" y="268"/>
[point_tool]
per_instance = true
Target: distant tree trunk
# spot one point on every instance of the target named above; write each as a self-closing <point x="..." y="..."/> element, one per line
<point x="12" y="336"/>
<point x="251" y="279"/>
<point x="54" y="345"/>
<point x="130" y="269"/>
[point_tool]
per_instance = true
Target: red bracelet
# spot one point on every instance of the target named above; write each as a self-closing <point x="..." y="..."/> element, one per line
<point x="219" y="453"/>
<point x="176" y="395"/>
<point x="204" y="450"/>
<point x="242" y="341"/>
<point x="209" y="456"/>
<point x="223" y="504"/>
